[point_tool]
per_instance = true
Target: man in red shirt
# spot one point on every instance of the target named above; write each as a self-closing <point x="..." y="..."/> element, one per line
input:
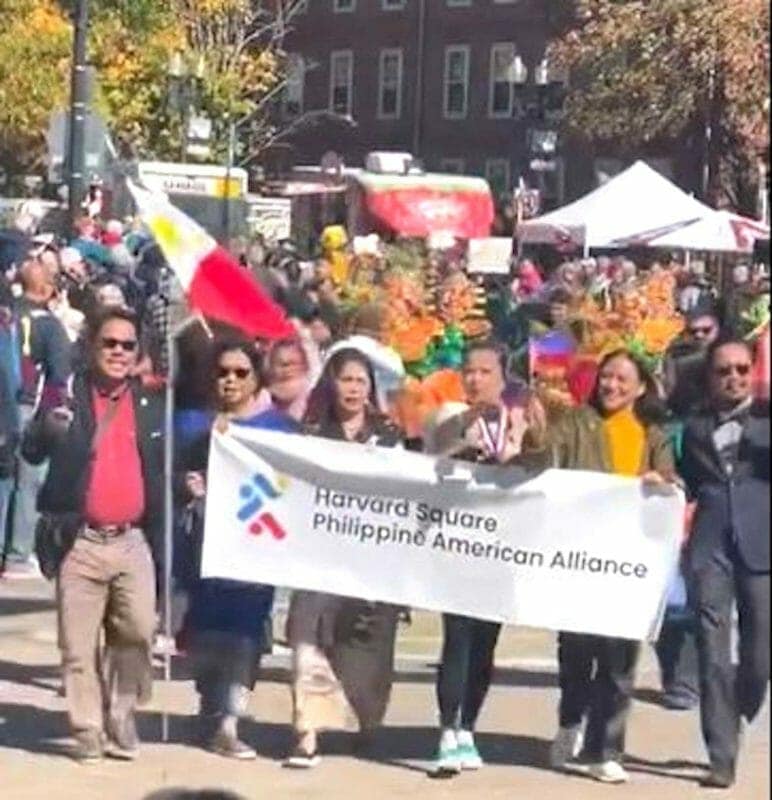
<point x="104" y="484"/>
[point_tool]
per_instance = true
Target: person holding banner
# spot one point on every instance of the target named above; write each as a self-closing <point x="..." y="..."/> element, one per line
<point x="343" y="648"/>
<point x="227" y="621"/>
<point x="488" y="431"/>
<point x="618" y="432"/>
<point x="726" y="468"/>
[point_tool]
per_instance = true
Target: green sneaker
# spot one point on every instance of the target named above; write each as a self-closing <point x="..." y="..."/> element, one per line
<point x="469" y="757"/>
<point x="447" y="763"/>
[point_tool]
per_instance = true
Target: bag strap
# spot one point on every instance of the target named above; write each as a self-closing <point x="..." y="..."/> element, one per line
<point x="104" y="422"/>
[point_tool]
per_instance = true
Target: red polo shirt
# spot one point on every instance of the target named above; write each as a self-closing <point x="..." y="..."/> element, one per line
<point x="116" y="491"/>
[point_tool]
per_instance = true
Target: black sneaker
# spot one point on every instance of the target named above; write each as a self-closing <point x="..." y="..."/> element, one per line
<point x="718" y="778"/>
<point x="88" y="748"/>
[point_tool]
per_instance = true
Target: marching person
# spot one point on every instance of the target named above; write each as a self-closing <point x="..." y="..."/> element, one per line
<point x="617" y="432"/>
<point x="342" y="649"/>
<point x="227" y="620"/>
<point x="487" y="432"/>
<point x="104" y="490"/>
<point x="726" y="469"/>
<point x="45" y="367"/>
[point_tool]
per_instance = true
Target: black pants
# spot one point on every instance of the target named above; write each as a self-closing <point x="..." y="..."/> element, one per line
<point x="466" y="670"/>
<point x="676" y="651"/>
<point x="727" y="694"/>
<point x="596" y="680"/>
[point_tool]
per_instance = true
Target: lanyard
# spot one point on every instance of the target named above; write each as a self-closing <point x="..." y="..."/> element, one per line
<point x="493" y="435"/>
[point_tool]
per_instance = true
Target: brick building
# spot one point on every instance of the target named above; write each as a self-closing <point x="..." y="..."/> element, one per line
<point x="460" y="84"/>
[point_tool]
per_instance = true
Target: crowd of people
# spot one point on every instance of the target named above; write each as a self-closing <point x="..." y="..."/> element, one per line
<point x="82" y="362"/>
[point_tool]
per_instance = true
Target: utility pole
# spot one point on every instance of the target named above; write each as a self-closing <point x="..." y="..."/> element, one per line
<point x="78" y="109"/>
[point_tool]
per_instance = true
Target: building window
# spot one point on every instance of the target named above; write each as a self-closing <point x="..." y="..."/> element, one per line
<point x="392" y="5"/>
<point x="459" y="3"/>
<point x="343" y="6"/>
<point x="501" y="87"/>
<point x="292" y="102"/>
<point x="341" y="82"/>
<point x="456" y="81"/>
<point x="390" y="84"/>
<point x="497" y="175"/>
<point x="453" y="166"/>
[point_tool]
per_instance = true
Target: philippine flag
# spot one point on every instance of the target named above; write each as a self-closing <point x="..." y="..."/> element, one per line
<point x="214" y="283"/>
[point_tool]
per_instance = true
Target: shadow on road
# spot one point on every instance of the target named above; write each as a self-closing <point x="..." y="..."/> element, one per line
<point x="25" y="605"/>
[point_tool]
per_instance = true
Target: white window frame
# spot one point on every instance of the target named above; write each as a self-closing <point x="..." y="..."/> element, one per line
<point x="392" y="5"/>
<point x="349" y="55"/>
<point x="451" y="50"/>
<point x="344" y="9"/>
<point x="498" y="47"/>
<point x="453" y="166"/>
<point x="384" y="54"/>
<point x="490" y="163"/>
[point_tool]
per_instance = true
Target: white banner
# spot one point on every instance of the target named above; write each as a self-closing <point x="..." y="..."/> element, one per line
<point x="572" y="551"/>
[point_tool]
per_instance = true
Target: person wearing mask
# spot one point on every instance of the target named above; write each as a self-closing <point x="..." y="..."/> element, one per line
<point x="726" y="469"/>
<point x="343" y="648"/>
<point x="227" y="620"/>
<point x="616" y="432"/>
<point x="485" y="431"/>
<point x="104" y="493"/>
<point x="45" y="368"/>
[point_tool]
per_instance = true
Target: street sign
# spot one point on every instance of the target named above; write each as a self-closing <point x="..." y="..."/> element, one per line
<point x="58" y="139"/>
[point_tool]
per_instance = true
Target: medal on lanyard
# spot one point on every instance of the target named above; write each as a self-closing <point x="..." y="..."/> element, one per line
<point x="493" y="433"/>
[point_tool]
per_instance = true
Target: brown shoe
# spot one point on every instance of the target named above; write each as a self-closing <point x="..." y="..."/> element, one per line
<point x="229" y="746"/>
<point x="123" y="742"/>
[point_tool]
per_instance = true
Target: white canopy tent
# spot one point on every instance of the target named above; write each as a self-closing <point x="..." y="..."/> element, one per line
<point x="719" y="232"/>
<point x="633" y="206"/>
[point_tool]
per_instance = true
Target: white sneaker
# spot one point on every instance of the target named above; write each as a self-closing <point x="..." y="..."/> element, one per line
<point x="608" y="772"/>
<point x="566" y="746"/>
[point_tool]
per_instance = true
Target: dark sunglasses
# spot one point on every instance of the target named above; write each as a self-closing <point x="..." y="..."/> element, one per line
<point x="127" y="345"/>
<point x="705" y="330"/>
<point x="240" y="372"/>
<point x="727" y="369"/>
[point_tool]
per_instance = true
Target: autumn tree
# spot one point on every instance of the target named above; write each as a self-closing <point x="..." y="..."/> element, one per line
<point x="234" y="47"/>
<point x="34" y="48"/>
<point x="645" y="71"/>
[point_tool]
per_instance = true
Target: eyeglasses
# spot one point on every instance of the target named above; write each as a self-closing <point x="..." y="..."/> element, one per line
<point x="703" y="330"/>
<point x="240" y="372"/>
<point x="725" y="370"/>
<point x="127" y="345"/>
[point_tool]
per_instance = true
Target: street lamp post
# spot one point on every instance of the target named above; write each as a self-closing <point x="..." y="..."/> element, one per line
<point x="184" y="91"/>
<point x="78" y="109"/>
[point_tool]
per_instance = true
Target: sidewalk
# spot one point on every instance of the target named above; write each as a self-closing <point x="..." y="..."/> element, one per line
<point x="664" y="748"/>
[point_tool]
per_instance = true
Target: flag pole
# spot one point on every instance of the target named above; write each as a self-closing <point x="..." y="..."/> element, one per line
<point x="168" y="497"/>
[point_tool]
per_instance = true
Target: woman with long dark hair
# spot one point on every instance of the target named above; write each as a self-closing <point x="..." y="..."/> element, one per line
<point x="227" y="622"/>
<point x="343" y="649"/>
<point x="618" y="432"/>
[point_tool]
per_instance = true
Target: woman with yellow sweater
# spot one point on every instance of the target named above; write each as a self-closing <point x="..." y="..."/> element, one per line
<point x="618" y="432"/>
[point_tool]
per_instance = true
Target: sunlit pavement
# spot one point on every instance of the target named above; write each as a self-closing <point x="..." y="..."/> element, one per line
<point x="665" y="755"/>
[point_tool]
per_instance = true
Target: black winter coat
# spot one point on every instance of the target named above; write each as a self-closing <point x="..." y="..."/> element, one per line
<point x="732" y="505"/>
<point x="64" y="490"/>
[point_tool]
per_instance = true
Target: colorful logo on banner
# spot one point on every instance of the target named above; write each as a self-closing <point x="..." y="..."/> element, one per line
<point x="254" y="496"/>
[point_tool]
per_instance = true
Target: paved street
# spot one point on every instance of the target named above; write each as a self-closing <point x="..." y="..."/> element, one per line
<point x="664" y="749"/>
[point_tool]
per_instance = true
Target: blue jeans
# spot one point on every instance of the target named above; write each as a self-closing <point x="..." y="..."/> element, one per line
<point x="6" y="489"/>
<point x="29" y="481"/>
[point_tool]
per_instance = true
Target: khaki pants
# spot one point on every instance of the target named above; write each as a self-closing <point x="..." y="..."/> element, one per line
<point x="106" y="583"/>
